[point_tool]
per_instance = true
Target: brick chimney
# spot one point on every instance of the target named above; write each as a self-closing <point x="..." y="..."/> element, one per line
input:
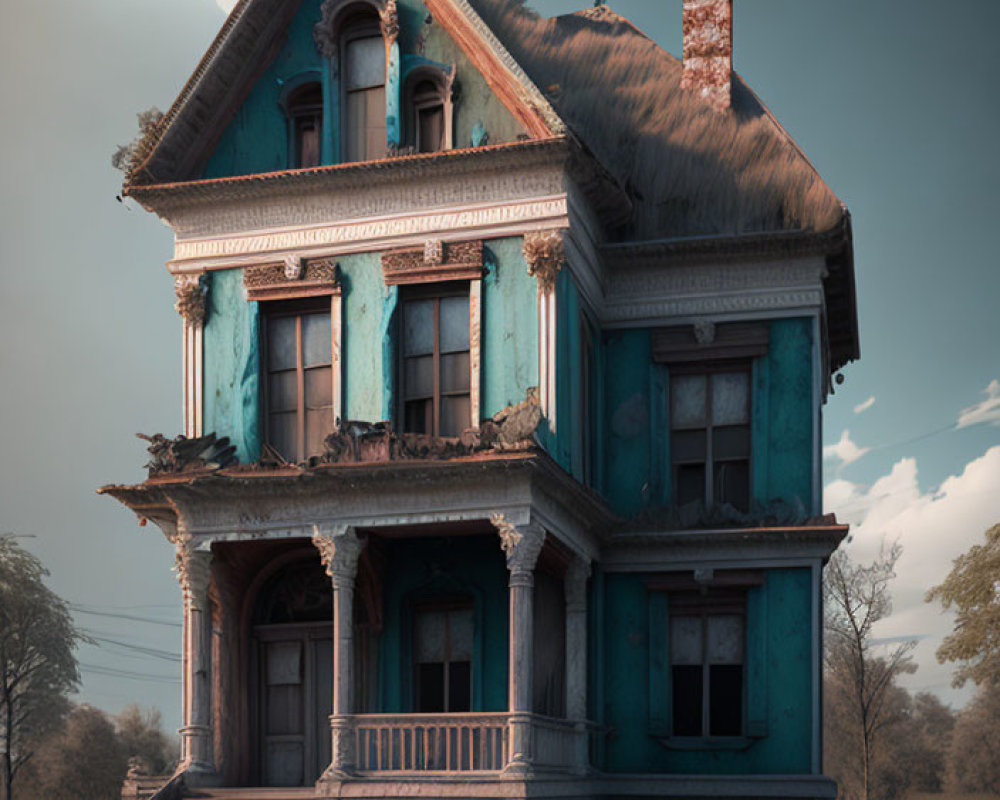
<point x="708" y="50"/>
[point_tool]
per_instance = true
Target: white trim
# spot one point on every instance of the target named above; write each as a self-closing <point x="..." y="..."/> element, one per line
<point x="193" y="378"/>
<point x="817" y="410"/>
<point x="365" y="234"/>
<point x="475" y="350"/>
<point x="547" y="356"/>
<point x="337" y="368"/>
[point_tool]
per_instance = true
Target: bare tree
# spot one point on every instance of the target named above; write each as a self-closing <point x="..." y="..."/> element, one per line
<point x="857" y="597"/>
<point x="37" y="664"/>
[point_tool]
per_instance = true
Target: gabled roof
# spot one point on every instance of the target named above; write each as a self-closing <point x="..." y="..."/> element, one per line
<point x="250" y="39"/>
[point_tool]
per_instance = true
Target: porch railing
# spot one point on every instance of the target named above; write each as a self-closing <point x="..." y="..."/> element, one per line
<point x="421" y="743"/>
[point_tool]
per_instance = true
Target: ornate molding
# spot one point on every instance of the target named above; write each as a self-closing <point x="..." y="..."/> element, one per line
<point x="294" y="276"/>
<point x="545" y="255"/>
<point x="194" y="573"/>
<point x="435" y="261"/>
<point x="388" y="20"/>
<point x="521" y="545"/>
<point x="339" y="550"/>
<point x="192" y="295"/>
<point x="326" y="34"/>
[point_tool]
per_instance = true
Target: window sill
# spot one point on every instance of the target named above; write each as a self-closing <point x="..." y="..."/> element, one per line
<point x="694" y="743"/>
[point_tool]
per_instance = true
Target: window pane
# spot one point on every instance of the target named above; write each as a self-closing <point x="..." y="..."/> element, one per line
<point x="730" y="443"/>
<point x="455" y="372"/>
<point x="459" y="687"/>
<point x="319" y="388"/>
<point x="456" y="415"/>
<point x="685" y="640"/>
<point x="282" y="391"/>
<point x="732" y="484"/>
<point x="319" y="425"/>
<point x="375" y="129"/>
<point x="725" y="639"/>
<point x="282" y="434"/>
<point x="307" y="142"/>
<point x="687" y="446"/>
<point x="688" y="393"/>
<point x="725" y="710"/>
<point x="454" y="324"/>
<point x="365" y="63"/>
<point x="316" y="342"/>
<point x="418" y="377"/>
<point x="430" y="688"/>
<point x="429" y="632"/>
<point x="281" y="343"/>
<point x="461" y="634"/>
<point x="730" y="398"/>
<point x="417" y="416"/>
<point x="687" y="700"/>
<point x="418" y="327"/>
<point x="354" y="126"/>
<point x="690" y="484"/>
<point x="430" y="129"/>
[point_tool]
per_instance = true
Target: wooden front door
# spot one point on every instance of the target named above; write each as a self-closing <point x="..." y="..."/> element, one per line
<point x="295" y="700"/>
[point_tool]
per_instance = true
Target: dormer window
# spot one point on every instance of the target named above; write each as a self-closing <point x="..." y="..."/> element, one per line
<point x="363" y="70"/>
<point x="305" y="112"/>
<point x="429" y="116"/>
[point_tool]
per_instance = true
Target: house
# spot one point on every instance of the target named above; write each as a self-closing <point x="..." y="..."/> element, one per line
<point x="506" y="341"/>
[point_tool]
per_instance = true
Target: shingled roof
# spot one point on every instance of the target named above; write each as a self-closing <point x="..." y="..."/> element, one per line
<point x="691" y="170"/>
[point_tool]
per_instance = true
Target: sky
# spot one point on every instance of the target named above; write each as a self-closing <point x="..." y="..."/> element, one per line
<point x="894" y="101"/>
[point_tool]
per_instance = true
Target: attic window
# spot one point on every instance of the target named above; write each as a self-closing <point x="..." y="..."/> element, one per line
<point x="363" y="68"/>
<point x="305" y="111"/>
<point x="429" y="117"/>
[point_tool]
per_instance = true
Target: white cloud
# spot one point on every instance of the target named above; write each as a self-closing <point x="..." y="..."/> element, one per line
<point x="861" y="408"/>
<point x="934" y="528"/>
<point x="986" y="411"/>
<point x="845" y="450"/>
<point x="226" y="5"/>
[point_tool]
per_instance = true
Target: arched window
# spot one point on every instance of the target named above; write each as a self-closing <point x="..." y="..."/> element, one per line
<point x="305" y="116"/>
<point x="429" y="113"/>
<point x="363" y="125"/>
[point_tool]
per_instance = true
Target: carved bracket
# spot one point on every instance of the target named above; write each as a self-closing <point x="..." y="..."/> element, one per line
<point x="293" y="277"/>
<point x="192" y="295"/>
<point x="339" y="550"/>
<point x="194" y="572"/>
<point x="545" y="255"/>
<point x="435" y="261"/>
<point x="521" y="545"/>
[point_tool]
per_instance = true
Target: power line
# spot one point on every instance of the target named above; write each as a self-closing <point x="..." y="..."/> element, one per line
<point x="127" y="674"/>
<point x="134" y="618"/>
<point x="153" y="652"/>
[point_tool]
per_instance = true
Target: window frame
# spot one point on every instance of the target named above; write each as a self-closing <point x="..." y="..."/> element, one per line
<point x="436" y="292"/>
<point x="359" y="25"/>
<point x="710" y="369"/>
<point x="442" y="83"/>
<point x="444" y="604"/>
<point x="297" y="309"/>
<point x="294" y="86"/>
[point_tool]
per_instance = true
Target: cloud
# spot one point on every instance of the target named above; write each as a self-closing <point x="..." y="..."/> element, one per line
<point x="934" y="528"/>
<point x="846" y="451"/>
<point x="861" y="408"/>
<point x="986" y="411"/>
<point x="226" y="5"/>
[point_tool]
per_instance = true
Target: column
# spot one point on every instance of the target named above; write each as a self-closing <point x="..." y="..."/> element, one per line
<point x="339" y="548"/>
<point x="194" y="573"/>
<point x="521" y="546"/>
<point x="192" y="293"/>
<point x="575" y="584"/>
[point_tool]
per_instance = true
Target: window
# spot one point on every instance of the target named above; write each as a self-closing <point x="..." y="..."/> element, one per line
<point x="707" y="646"/>
<point x="435" y="369"/>
<point x="443" y="639"/>
<point x="363" y="70"/>
<point x="428" y="118"/>
<point x="710" y="436"/>
<point x="299" y="382"/>
<point x="305" y="112"/>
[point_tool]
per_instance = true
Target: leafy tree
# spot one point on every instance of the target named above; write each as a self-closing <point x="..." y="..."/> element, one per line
<point x="973" y="588"/>
<point x="975" y="755"/>
<point x="142" y="736"/>
<point x="37" y="665"/>
<point x="861" y="675"/>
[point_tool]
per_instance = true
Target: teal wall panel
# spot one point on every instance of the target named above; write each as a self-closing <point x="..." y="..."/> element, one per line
<point x="510" y="327"/>
<point x="790" y="413"/>
<point x="231" y="364"/>
<point x="627" y="420"/>
<point x="421" y="569"/>
<point x="782" y="665"/>
<point x="366" y="317"/>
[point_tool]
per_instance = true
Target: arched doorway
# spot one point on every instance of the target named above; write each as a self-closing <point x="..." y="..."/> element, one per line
<point x="292" y="662"/>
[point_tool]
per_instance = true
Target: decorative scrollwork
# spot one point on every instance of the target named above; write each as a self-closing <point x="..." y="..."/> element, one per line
<point x="545" y="255"/>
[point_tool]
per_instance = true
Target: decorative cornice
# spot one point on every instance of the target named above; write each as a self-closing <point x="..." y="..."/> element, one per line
<point x="293" y="277"/>
<point x="192" y="294"/>
<point x="435" y="261"/>
<point x="339" y="550"/>
<point x="521" y="545"/>
<point x="545" y="255"/>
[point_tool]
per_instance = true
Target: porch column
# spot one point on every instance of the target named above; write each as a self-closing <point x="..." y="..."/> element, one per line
<point x="521" y="546"/>
<point x="575" y="584"/>
<point x="193" y="569"/>
<point x="339" y="548"/>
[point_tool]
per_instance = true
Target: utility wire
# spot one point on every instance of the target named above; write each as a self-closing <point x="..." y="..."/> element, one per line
<point x="128" y="674"/>
<point x="153" y="652"/>
<point x="84" y="610"/>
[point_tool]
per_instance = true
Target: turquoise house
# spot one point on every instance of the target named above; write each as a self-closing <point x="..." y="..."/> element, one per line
<point x="506" y="341"/>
